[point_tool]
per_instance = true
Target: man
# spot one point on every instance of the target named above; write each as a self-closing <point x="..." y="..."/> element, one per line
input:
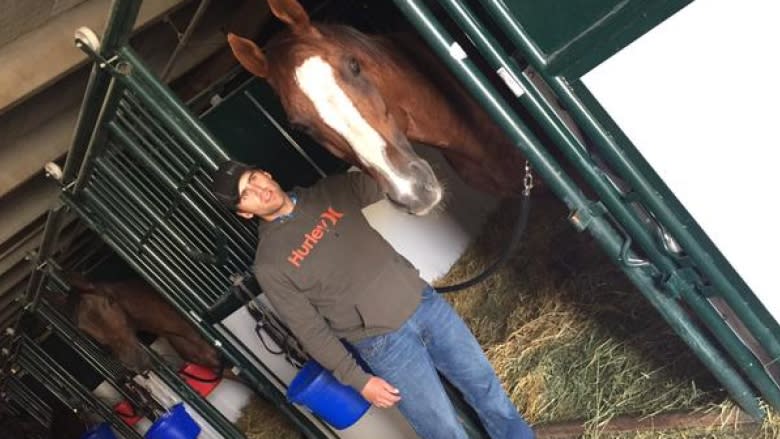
<point x="331" y="276"/>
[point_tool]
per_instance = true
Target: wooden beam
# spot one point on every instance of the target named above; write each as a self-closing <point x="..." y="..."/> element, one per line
<point x="40" y="57"/>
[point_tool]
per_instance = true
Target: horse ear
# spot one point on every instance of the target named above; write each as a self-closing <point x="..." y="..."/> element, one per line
<point x="291" y="13"/>
<point x="249" y="55"/>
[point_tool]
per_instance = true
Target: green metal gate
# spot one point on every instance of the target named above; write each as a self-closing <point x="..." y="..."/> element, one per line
<point x="20" y="398"/>
<point x="138" y="174"/>
<point x="638" y="222"/>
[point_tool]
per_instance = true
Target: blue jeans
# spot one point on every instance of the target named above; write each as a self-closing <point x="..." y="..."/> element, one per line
<point x="436" y="338"/>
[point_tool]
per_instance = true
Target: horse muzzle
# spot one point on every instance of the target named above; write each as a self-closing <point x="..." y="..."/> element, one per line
<point x="422" y="191"/>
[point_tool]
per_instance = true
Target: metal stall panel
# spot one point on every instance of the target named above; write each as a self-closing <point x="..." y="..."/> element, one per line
<point x="33" y="360"/>
<point x="143" y="186"/>
<point x="635" y="218"/>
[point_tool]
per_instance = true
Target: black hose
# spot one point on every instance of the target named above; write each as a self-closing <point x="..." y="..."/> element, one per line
<point x="517" y="233"/>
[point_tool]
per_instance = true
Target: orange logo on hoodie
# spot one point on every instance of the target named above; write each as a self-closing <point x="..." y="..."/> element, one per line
<point x="328" y="219"/>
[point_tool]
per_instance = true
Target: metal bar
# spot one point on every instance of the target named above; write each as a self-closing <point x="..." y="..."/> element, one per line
<point x="185" y="39"/>
<point x="165" y="224"/>
<point x="30" y="401"/>
<point x="120" y="22"/>
<point x="111" y="370"/>
<point x="133" y="105"/>
<point x="102" y="205"/>
<point x="153" y="142"/>
<point x="133" y="179"/>
<point x="564" y="188"/>
<point x="62" y="384"/>
<point x="99" y="136"/>
<point x="215" y="418"/>
<point x="285" y="134"/>
<point x="173" y="246"/>
<point x="176" y="169"/>
<point x="160" y="100"/>
<point x="48" y="242"/>
<point x="119" y="25"/>
<point x="658" y="198"/>
<point x="174" y="187"/>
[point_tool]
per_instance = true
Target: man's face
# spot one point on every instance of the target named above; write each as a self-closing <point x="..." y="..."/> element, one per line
<point x="259" y="195"/>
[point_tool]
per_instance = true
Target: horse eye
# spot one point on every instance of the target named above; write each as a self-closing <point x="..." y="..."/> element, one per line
<point x="354" y="66"/>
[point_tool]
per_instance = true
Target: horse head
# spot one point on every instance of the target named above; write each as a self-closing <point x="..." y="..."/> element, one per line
<point x="99" y="314"/>
<point x="329" y="79"/>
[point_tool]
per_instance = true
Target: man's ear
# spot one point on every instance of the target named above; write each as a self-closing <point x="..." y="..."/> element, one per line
<point x="245" y="215"/>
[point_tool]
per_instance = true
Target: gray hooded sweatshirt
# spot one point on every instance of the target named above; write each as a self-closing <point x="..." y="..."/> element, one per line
<point x="330" y="275"/>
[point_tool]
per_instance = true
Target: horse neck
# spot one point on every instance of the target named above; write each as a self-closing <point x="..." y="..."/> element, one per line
<point x="438" y="109"/>
<point x="148" y="311"/>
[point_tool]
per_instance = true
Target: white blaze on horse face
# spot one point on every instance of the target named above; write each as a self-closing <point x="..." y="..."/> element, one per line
<point x="316" y="79"/>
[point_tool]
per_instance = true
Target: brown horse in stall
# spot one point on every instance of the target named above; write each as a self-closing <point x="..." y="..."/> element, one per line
<point x="112" y="313"/>
<point x="364" y="98"/>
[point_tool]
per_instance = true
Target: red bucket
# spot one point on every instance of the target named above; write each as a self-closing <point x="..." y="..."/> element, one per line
<point x="126" y="412"/>
<point x="200" y="378"/>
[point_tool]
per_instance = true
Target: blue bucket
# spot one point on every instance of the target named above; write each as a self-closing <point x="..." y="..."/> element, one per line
<point x="174" y="424"/>
<point x="314" y="387"/>
<point x="100" y="431"/>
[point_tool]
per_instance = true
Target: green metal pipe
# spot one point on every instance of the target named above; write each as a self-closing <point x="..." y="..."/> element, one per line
<point x="134" y="105"/>
<point x="149" y="163"/>
<point x="135" y="220"/>
<point x="173" y="186"/>
<point x="165" y="101"/>
<point x="109" y="369"/>
<point x="156" y="145"/>
<point x="176" y="247"/>
<point x="214" y="417"/>
<point x="653" y="192"/>
<point x="177" y="169"/>
<point x="168" y="118"/>
<point x="188" y="233"/>
<point x="101" y="204"/>
<point x="99" y="135"/>
<point x="120" y="22"/>
<point x="28" y="400"/>
<point x="63" y="385"/>
<point x="139" y="210"/>
<point x="131" y="104"/>
<point x="173" y="246"/>
<point x="565" y="189"/>
<point x="574" y="151"/>
<point x="125" y="166"/>
<point x="133" y="180"/>
<point x="121" y="19"/>
<point x="136" y="193"/>
<point x="51" y="233"/>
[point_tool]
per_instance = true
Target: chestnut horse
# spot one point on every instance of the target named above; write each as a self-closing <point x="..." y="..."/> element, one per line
<point x="112" y="313"/>
<point x="364" y="98"/>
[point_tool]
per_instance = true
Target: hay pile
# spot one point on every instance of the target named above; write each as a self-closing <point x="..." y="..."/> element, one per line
<point x="570" y="338"/>
<point x="262" y="420"/>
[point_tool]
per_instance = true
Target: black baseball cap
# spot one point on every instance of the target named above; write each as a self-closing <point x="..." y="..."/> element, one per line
<point x="225" y="185"/>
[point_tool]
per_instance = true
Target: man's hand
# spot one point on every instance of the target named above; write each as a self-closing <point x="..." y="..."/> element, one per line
<point x="380" y="393"/>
